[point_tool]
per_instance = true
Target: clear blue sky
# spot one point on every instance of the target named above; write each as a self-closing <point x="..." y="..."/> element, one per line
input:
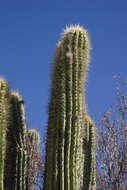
<point x="29" y="31"/>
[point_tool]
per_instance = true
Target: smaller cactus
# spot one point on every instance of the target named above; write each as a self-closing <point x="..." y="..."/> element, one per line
<point x="20" y="135"/>
<point x="16" y="155"/>
<point x="33" y="142"/>
<point x="13" y="142"/>
<point x="4" y="117"/>
<point x="89" y="181"/>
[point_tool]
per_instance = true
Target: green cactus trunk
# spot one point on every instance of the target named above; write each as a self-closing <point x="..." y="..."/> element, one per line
<point x="4" y="118"/>
<point x="64" y="161"/>
<point x="16" y="155"/>
<point x="33" y="142"/>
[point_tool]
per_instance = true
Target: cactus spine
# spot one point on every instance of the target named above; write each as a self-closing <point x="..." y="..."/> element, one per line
<point x="64" y="144"/>
<point x="33" y="142"/>
<point x="4" y="113"/>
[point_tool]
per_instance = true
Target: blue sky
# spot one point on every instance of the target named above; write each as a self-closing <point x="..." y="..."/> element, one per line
<point x="29" y="31"/>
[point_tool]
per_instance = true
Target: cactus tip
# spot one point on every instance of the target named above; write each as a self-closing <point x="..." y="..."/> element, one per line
<point x="74" y="28"/>
<point x="88" y="118"/>
<point x="33" y="131"/>
<point x="16" y="94"/>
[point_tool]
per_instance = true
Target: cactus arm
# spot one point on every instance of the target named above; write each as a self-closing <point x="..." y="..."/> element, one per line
<point x="19" y="130"/>
<point x="24" y="152"/>
<point x="89" y="153"/>
<point x="4" y="116"/>
<point x="17" y="135"/>
<point x="33" y="141"/>
<point x="92" y="176"/>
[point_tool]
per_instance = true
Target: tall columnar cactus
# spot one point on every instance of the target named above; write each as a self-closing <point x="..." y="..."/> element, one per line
<point x="4" y="118"/>
<point x="64" y="161"/>
<point x="33" y="142"/>
<point x="89" y="143"/>
<point x="16" y="155"/>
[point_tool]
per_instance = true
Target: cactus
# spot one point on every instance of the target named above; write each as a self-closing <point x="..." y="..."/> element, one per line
<point x="70" y="139"/>
<point x="89" y="181"/>
<point x="4" y="117"/>
<point x="64" y="160"/>
<point x="14" y="164"/>
<point x="16" y="155"/>
<point x="33" y="142"/>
